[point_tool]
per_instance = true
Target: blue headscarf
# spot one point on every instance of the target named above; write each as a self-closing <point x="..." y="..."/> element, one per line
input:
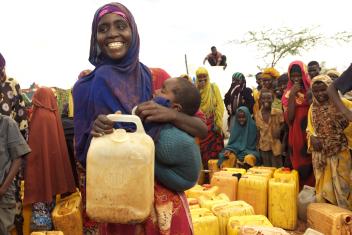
<point x="112" y="86"/>
<point x="243" y="139"/>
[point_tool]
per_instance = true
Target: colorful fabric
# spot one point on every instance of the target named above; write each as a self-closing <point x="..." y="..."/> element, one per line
<point x="238" y="95"/>
<point x="212" y="145"/>
<point x="297" y="138"/>
<point x="41" y="216"/>
<point x="211" y="101"/>
<point x="107" y="9"/>
<point x="2" y="62"/>
<point x="12" y="103"/>
<point x="159" y="76"/>
<point x="329" y="124"/>
<point x="170" y="215"/>
<point x="270" y="73"/>
<point x="243" y="139"/>
<point x="301" y="99"/>
<point x="49" y="156"/>
<point x="112" y="86"/>
<point x="332" y="172"/>
<point x="266" y="129"/>
<point x="277" y="104"/>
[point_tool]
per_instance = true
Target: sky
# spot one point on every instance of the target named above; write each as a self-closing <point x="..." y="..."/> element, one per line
<point x="47" y="41"/>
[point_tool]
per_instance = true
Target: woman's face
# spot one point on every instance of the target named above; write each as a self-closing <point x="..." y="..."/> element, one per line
<point x="241" y="118"/>
<point x="114" y="36"/>
<point x="320" y="93"/>
<point x="267" y="83"/>
<point x="296" y="77"/>
<point x="202" y="80"/>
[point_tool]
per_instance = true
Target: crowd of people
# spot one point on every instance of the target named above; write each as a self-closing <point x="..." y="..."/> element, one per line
<point x="298" y="119"/>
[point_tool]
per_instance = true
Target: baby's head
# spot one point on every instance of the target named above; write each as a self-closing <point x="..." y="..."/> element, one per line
<point x="182" y="94"/>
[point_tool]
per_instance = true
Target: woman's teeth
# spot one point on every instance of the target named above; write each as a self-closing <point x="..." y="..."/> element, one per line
<point x="115" y="45"/>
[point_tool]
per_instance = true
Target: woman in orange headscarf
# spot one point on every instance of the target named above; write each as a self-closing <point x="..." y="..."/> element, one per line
<point x="48" y="171"/>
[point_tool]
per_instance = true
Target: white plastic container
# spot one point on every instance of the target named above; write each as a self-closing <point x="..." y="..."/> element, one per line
<point x="120" y="174"/>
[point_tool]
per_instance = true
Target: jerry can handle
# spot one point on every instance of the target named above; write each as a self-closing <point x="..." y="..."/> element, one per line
<point x="128" y="118"/>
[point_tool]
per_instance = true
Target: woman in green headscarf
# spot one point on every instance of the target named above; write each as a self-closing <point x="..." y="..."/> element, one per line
<point x="241" y="148"/>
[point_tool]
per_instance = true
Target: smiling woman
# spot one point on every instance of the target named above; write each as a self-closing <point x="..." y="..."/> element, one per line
<point x="120" y="82"/>
<point x="114" y="35"/>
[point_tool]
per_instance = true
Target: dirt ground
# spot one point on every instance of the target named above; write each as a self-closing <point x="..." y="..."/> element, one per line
<point x="301" y="228"/>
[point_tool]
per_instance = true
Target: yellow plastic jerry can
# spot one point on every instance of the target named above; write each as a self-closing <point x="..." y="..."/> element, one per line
<point x="120" y="174"/>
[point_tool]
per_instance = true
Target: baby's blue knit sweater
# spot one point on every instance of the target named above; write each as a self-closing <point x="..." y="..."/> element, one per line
<point x="178" y="159"/>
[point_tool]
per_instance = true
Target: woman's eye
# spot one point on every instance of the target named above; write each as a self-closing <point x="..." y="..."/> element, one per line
<point x="103" y="28"/>
<point x="121" y="25"/>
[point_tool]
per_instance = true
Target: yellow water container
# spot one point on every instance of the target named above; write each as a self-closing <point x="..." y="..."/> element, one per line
<point x="262" y="171"/>
<point x="206" y="190"/>
<point x="120" y="174"/>
<point x="283" y="203"/>
<point x="208" y="203"/>
<point x="236" y="222"/>
<point x="67" y="215"/>
<point x="329" y="219"/>
<point x="254" y="191"/>
<point x="255" y="230"/>
<point x="228" y="209"/>
<point x="193" y="203"/>
<point x="268" y="168"/>
<point x="235" y="170"/>
<point x="227" y="184"/>
<point x="287" y="173"/>
<point x="48" y="233"/>
<point x="204" y="222"/>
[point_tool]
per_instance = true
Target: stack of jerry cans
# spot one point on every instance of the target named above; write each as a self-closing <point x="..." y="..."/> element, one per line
<point x="208" y="203"/>
<point x="287" y="173"/>
<point x="236" y="222"/>
<point x="329" y="219"/>
<point x="254" y="191"/>
<point x="205" y="190"/>
<point x="227" y="184"/>
<point x="224" y="211"/>
<point x="204" y="222"/>
<point x="283" y="203"/>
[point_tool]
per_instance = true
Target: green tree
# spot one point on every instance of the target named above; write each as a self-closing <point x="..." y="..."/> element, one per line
<point x="276" y="44"/>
